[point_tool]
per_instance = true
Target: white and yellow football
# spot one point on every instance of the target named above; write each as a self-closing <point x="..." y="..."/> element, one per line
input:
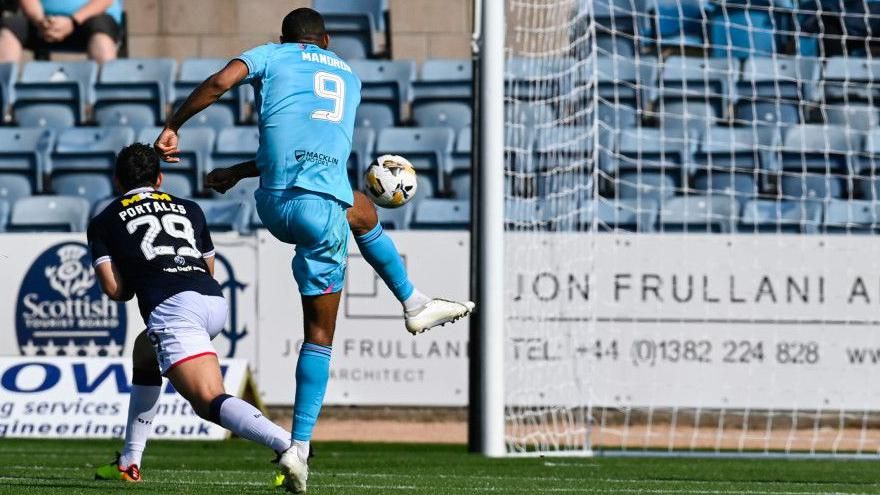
<point x="391" y="181"/>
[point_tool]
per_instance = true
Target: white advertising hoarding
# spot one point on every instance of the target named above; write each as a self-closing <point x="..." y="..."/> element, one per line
<point x="87" y="397"/>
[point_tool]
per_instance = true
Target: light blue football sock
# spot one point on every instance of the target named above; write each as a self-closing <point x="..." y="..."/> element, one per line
<point x="381" y="253"/>
<point x="312" y="374"/>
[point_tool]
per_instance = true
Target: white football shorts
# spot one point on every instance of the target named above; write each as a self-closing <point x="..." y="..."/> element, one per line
<point x="183" y="326"/>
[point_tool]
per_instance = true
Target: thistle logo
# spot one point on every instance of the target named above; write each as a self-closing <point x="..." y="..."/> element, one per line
<point x="231" y="287"/>
<point x="61" y="310"/>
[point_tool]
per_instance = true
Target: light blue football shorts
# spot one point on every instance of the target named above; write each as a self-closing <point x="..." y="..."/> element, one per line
<point x="317" y="225"/>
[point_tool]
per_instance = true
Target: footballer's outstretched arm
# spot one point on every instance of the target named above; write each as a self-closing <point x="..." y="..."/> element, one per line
<point x="111" y="282"/>
<point x="201" y="98"/>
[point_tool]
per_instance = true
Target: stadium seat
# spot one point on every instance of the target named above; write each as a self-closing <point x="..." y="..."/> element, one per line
<point x="91" y="186"/>
<point x="568" y="147"/>
<point x="89" y="149"/>
<point x="397" y="218"/>
<point x="357" y="21"/>
<point x="538" y="78"/>
<point x="775" y="115"/>
<point x="14" y="187"/>
<point x="615" y="116"/>
<point x="620" y="80"/>
<point x="386" y="82"/>
<point x="699" y="214"/>
<point x="652" y="149"/>
<point x="819" y="147"/>
<point x="100" y="205"/>
<point x="375" y="116"/>
<point x="443" y="114"/>
<point x="362" y="144"/>
<point x="772" y="90"/>
<point x="619" y="216"/>
<point x="349" y="47"/>
<point x="742" y="29"/>
<point x="185" y="178"/>
<point x="461" y="157"/>
<point x="742" y="150"/>
<point x="8" y="75"/>
<point x="686" y="116"/>
<point x="674" y="24"/>
<point x="134" y="92"/>
<point x="855" y="116"/>
<point x="235" y="145"/>
<point x="54" y="94"/>
<point x="49" y="213"/>
<point x="428" y="148"/>
<point x="698" y="79"/>
<point x="460" y="185"/>
<point x="851" y="217"/>
<point x="654" y="186"/>
<point x="444" y="80"/>
<point x="850" y="79"/>
<point x="225" y="215"/>
<point x="867" y="163"/>
<point x="225" y="112"/>
<point x="4" y="214"/>
<point x="768" y="216"/>
<point x="811" y="187"/>
<point x="739" y="186"/>
<point x="25" y="154"/>
<point x="444" y="214"/>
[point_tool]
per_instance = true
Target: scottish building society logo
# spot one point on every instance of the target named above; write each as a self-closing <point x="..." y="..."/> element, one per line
<point x="61" y="310"/>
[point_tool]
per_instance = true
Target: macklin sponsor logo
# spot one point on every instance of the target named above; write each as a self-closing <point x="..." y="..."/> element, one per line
<point x="61" y="311"/>
<point x="314" y="157"/>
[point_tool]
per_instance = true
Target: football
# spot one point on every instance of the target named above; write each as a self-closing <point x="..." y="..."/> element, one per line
<point x="391" y="181"/>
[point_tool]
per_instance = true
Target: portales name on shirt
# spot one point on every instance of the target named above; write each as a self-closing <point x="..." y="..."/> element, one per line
<point x="149" y="208"/>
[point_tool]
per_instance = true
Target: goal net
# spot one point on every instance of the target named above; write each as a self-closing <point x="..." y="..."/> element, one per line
<point x="691" y="214"/>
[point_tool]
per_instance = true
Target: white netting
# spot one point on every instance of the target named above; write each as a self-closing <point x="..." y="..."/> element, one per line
<point x="690" y="208"/>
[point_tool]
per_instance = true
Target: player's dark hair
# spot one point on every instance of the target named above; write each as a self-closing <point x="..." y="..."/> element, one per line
<point x="137" y="166"/>
<point x="303" y="25"/>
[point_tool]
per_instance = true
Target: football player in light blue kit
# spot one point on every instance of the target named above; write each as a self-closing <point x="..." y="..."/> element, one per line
<point x="308" y="98"/>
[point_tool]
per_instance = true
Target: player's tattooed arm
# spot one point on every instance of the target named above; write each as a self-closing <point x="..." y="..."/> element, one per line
<point x="111" y="282"/>
<point x="201" y="98"/>
<point x="224" y="179"/>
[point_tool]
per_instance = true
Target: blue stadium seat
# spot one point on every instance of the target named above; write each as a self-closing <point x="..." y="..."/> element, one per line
<point x="740" y="150"/>
<point x="348" y="47"/>
<point x="444" y="80"/>
<point x="376" y="116"/>
<point x="397" y="218"/>
<point x="358" y="21"/>
<point x="619" y="216"/>
<point x="769" y="216"/>
<point x="442" y="214"/>
<point x="49" y="213"/>
<point x="89" y="149"/>
<point x="855" y="116"/>
<point x="653" y="149"/>
<point x="54" y="94"/>
<point x="538" y="78"/>
<point x="428" y="148"/>
<point x="235" y="145"/>
<point x="362" y="144"/>
<point x="772" y="90"/>
<point x="742" y="29"/>
<point x="8" y="75"/>
<point x="461" y="157"/>
<point x="851" y="217"/>
<point x="686" y="116"/>
<point x="739" y="186"/>
<point x="698" y="79"/>
<point x="566" y="151"/>
<point x="225" y="215"/>
<point x="14" y="187"/>
<point x="185" y="178"/>
<point x="460" y="185"/>
<point x="819" y="147"/>
<point x="91" y="186"/>
<point x="620" y="80"/>
<point x="443" y="114"/>
<point x="674" y="24"/>
<point x="867" y="163"/>
<point x="25" y="153"/>
<point x="225" y="112"/>
<point x="699" y="214"/>
<point x="850" y="79"/>
<point x="615" y="116"/>
<point x="134" y="92"/>
<point x="646" y="185"/>
<point x="811" y="187"/>
<point x="4" y="214"/>
<point x="776" y="115"/>
<point x="386" y="82"/>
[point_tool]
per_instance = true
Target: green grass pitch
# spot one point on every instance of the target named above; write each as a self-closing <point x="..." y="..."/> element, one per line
<point x="234" y="467"/>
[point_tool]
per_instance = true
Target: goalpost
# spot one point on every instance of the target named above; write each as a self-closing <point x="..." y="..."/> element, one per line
<point x="675" y="230"/>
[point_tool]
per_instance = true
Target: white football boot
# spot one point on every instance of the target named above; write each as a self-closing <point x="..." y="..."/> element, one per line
<point x="436" y="312"/>
<point x="295" y="469"/>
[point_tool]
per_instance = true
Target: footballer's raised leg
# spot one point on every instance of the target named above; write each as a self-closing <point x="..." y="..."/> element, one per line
<point x="420" y="311"/>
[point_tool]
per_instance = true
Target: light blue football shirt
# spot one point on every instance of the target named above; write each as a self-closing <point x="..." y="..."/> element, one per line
<point x="307" y="98"/>
<point x="70" y="7"/>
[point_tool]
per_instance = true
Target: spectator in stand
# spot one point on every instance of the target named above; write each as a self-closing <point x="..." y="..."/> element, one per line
<point x="92" y="26"/>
